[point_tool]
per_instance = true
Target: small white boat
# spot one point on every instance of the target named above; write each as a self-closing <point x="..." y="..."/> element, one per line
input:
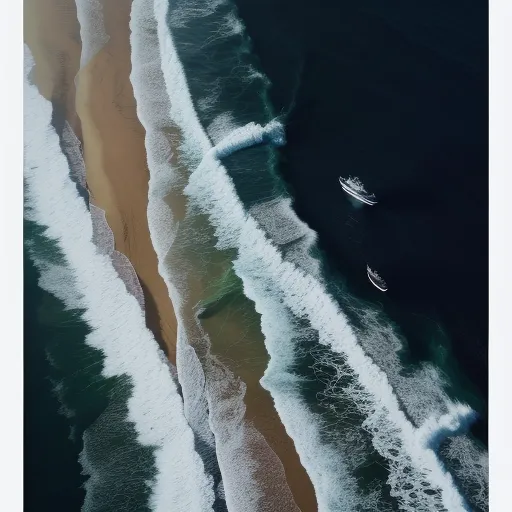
<point x="354" y="187"/>
<point x="376" y="280"/>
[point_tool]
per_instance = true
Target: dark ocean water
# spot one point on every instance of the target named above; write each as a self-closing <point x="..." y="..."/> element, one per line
<point x="51" y="469"/>
<point x="75" y="419"/>
<point x="396" y="95"/>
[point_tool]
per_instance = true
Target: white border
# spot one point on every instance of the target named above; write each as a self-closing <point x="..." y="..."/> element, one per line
<point x="500" y="303"/>
<point x="11" y="254"/>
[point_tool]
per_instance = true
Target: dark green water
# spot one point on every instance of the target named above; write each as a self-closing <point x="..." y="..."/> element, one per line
<point x="52" y="477"/>
<point x="71" y="409"/>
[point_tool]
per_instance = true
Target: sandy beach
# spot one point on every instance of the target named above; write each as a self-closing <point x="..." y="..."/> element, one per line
<point x="115" y="161"/>
<point x="248" y="359"/>
<point x="102" y="113"/>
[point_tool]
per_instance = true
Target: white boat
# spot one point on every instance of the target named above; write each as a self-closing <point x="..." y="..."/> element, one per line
<point x="354" y="187"/>
<point x="376" y="280"/>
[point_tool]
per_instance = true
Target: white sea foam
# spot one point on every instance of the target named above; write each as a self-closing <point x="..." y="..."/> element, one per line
<point x="73" y="149"/>
<point x="115" y="317"/>
<point x="471" y="468"/>
<point x="126" y="272"/>
<point x="103" y="238"/>
<point x="414" y="466"/>
<point x="153" y="112"/>
<point x="221" y="126"/>
<point x="59" y="281"/>
<point x="295" y="238"/>
<point x="230" y="25"/>
<point x="253" y="476"/>
<point x="92" y="29"/>
<point x="194" y="8"/>
<point x="380" y="341"/>
<point x="421" y="391"/>
<point x="436" y="429"/>
<point x="181" y="108"/>
<point x="246" y="136"/>
<point x="319" y="459"/>
<point x="328" y="466"/>
<point x="153" y="109"/>
<point x="102" y="235"/>
<point x="213" y="397"/>
<point x="208" y="102"/>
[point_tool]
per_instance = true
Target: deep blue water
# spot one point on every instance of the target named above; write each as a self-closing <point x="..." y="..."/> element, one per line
<point x="396" y="95"/>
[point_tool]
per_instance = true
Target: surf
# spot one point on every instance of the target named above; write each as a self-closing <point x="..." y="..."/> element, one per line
<point x="213" y="397"/>
<point x="212" y="191"/>
<point x="115" y="317"/>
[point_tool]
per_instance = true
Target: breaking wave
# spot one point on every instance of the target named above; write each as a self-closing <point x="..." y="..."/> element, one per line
<point x="206" y="456"/>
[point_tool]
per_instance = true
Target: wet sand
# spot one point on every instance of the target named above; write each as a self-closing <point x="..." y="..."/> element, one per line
<point x="240" y="346"/>
<point x="233" y="329"/>
<point x="52" y="32"/>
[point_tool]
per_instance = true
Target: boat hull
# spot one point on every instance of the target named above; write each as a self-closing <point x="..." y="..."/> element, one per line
<point x="380" y="286"/>
<point x="357" y="196"/>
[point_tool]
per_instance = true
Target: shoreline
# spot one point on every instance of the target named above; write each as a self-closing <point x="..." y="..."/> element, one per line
<point x="116" y="167"/>
<point x="102" y="113"/>
<point x="103" y="121"/>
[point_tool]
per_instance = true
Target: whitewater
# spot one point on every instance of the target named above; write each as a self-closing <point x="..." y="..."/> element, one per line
<point x="213" y="396"/>
<point x="417" y="477"/>
<point x="335" y="488"/>
<point x="114" y="316"/>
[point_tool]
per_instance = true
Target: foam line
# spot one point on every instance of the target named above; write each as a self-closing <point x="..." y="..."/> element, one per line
<point x="417" y="477"/>
<point x="328" y="467"/>
<point x="73" y="150"/>
<point x="114" y="316"/>
<point x="471" y="465"/>
<point x="104" y="240"/>
<point x="277" y="218"/>
<point x="153" y="112"/>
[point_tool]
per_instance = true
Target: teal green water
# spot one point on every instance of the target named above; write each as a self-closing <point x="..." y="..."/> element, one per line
<point x="51" y="470"/>
<point x="73" y="415"/>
